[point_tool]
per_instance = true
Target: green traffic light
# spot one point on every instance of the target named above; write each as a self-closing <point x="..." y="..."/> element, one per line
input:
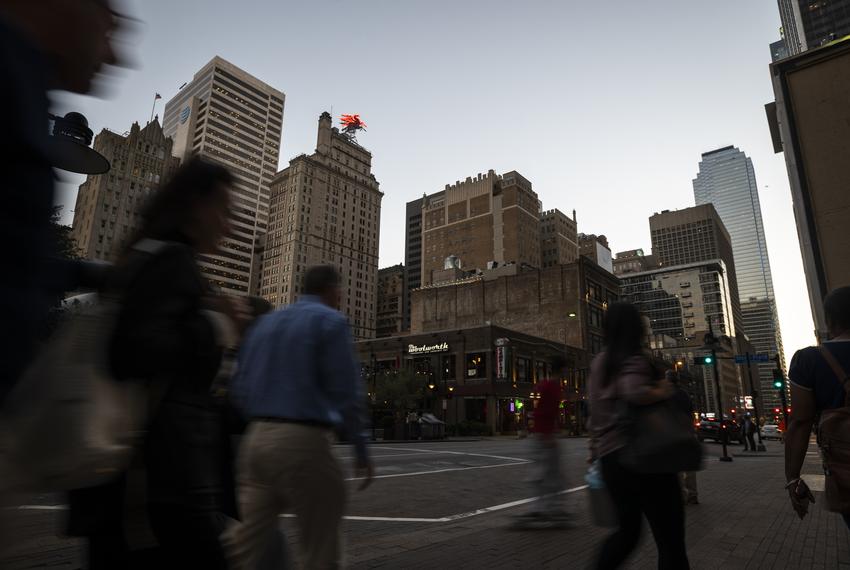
<point x="707" y="360"/>
<point x="777" y="384"/>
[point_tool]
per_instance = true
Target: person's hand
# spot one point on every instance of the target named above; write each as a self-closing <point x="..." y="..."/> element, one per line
<point x="801" y="496"/>
<point x="365" y="471"/>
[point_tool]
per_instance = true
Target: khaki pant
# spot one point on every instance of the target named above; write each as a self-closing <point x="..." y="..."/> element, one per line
<point x="288" y="466"/>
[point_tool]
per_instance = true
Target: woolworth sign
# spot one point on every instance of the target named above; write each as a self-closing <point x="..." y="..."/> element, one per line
<point x="427" y="348"/>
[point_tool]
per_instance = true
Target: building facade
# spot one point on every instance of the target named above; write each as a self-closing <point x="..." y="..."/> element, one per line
<point x="483" y="220"/>
<point x="808" y="25"/>
<point x="683" y="303"/>
<point x="108" y="207"/>
<point x="483" y="374"/>
<point x="229" y="116"/>
<point x="390" y="301"/>
<point x="558" y="238"/>
<point x="726" y="179"/>
<point x="563" y="303"/>
<point x="325" y="208"/>
<point x="692" y="235"/>
<point x="633" y="261"/>
<point x="413" y="252"/>
<point x="596" y="248"/>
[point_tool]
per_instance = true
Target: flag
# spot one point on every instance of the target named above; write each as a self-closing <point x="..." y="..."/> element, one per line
<point x="157" y="96"/>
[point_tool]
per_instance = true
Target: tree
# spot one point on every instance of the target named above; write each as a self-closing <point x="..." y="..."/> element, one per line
<point x="64" y="243"/>
<point x="398" y="390"/>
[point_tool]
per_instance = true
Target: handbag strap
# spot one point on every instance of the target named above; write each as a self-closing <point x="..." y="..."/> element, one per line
<point x="839" y="372"/>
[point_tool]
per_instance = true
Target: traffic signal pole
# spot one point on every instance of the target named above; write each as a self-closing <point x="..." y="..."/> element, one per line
<point x="724" y="439"/>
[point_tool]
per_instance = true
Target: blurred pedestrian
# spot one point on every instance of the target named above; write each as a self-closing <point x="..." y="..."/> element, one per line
<point x="750" y="430"/>
<point x="170" y="335"/>
<point x="549" y="480"/>
<point x="622" y="375"/>
<point x="44" y="45"/>
<point x="685" y="404"/>
<point x="297" y="381"/>
<point x="820" y="385"/>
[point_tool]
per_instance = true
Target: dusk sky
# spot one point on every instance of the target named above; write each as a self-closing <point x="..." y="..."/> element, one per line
<point x="604" y="106"/>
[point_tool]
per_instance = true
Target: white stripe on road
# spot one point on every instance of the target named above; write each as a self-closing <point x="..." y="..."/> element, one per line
<point x="434" y="471"/>
<point x="371" y="456"/>
<point x="457" y="453"/>
<point x="451" y="518"/>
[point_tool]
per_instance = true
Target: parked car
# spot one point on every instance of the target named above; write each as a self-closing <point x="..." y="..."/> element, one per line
<point x="711" y="429"/>
<point x="771" y="431"/>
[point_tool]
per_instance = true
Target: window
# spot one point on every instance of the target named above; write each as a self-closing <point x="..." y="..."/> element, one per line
<point x="476" y="365"/>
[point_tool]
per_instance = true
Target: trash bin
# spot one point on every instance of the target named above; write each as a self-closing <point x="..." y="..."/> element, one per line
<point x="430" y="427"/>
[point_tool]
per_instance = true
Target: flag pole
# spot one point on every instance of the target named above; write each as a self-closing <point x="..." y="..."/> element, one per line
<point x="156" y="97"/>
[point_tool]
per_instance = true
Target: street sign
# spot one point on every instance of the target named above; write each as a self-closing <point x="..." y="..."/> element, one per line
<point x="742" y="358"/>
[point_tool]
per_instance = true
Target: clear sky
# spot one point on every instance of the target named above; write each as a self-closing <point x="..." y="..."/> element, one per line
<point x="604" y="106"/>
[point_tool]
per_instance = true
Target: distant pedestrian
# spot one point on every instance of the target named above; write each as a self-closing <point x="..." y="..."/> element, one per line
<point x="297" y="381"/>
<point x="170" y="336"/>
<point x="622" y="374"/>
<point x="819" y="381"/>
<point x="684" y="403"/>
<point x="549" y="478"/>
<point x="750" y="430"/>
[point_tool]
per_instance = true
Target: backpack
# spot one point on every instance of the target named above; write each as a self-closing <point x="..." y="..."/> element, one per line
<point x="68" y="424"/>
<point x="833" y="436"/>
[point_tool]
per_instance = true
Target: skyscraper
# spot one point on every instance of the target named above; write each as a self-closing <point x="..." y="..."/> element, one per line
<point x="413" y="253"/>
<point x="727" y="180"/>
<point x="108" y="205"/>
<point x="229" y="116"/>
<point x="325" y="208"/>
<point x="808" y="25"/>
<point x="691" y="235"/>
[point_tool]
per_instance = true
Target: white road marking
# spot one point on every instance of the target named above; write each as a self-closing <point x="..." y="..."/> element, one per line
<point x="450" y="518"/>
<point x="386" y="455"/>
<point x="815" y="482"/>
<point x="434" y="471"/>
<point x="524" y="460"/>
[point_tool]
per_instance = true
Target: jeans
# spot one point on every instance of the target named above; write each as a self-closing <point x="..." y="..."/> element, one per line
<point x="659" y="497"/>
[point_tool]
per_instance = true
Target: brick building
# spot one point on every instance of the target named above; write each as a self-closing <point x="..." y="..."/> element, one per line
<point x="489" y="218"/>
<point x="558" y="238"/>
<point x="108" y="205"/>
<point x="564" y="303"/>
<point x="390" y="301"/>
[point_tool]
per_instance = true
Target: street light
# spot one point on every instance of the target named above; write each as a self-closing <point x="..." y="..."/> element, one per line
<point x="68" y="146"/>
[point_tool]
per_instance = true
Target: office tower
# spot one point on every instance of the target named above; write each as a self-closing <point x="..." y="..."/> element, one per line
<point x="483" y="221"/>
<point x="109" y="205"/>
<point x="596" y="248"/>
<point x="229" y="116"/>
<point x="808" y="25"/>
<point x="325" y="208"/>
<point x="778" y="50"/>
<point x="413" y="253"/>
<point x="691" y="235"/>
<point x="727" y="180"/>
<point x="680" y="301"/>
<point x="389" y="303"/>
<point x="558" y="238"/>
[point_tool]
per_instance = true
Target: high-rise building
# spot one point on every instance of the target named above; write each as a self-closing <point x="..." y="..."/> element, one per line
<point x="481" y="221"/>
<point x="596" y="248"/>
<point x="682" y="303"/>
<point x="726" y="180"/>
<point x="325" y="208"/>
<point x="108" y="205"/>
<point x="390" y="295"/>
<point x="808" y="25"/>
<point x="778" y="50"/>
<point x="558" y="238"/>
<point x="229" y="116"/>
<point x="413" y="253"/>
<point x="691" y="235"/>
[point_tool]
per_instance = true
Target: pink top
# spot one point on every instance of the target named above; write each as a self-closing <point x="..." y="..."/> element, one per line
<point x="633" y="381"/>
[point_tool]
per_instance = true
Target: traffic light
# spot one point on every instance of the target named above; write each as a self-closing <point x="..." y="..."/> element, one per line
<point x="707" y="360"/>
<point x="776" y="410"/>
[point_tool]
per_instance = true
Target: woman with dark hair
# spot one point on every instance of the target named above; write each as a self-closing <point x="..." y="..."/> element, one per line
<point x="170" y="334"/>
<point x="621" y="376"/>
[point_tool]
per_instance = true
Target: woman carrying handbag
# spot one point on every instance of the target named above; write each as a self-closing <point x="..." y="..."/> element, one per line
<point x="624" y="387"/>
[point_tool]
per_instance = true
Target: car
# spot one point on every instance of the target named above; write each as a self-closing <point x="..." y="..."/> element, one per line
<point x="771" y="431"/>
<point x="710" y="429"/>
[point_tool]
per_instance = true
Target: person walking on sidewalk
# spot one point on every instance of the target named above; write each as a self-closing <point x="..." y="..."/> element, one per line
<point x="750" y="431"/>
<point x="816" y="385"/>
<point x="684" y="403"/>
<point x="297" y="381"/>
<point x="623" y="374"/>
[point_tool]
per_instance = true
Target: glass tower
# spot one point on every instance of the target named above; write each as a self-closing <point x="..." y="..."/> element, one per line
<point x="727" y="180"/>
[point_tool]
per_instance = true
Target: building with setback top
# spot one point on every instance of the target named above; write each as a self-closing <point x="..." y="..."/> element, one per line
<point x="325" y="208"/>
<point x="229" y="116"/>
<point x="108" y="205"/>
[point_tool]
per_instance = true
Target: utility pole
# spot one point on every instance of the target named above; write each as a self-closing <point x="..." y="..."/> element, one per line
<point x="711" y="344"/>
<point x="755" y="394"/>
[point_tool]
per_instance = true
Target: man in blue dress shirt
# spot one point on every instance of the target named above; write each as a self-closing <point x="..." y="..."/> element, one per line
<point x="297" y="381"/>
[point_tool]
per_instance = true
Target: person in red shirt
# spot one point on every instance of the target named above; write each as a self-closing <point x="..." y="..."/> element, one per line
<point x="549" y="480"/>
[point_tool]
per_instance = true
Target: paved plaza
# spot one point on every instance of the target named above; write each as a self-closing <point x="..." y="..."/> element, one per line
<point x="450" y="505"/>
